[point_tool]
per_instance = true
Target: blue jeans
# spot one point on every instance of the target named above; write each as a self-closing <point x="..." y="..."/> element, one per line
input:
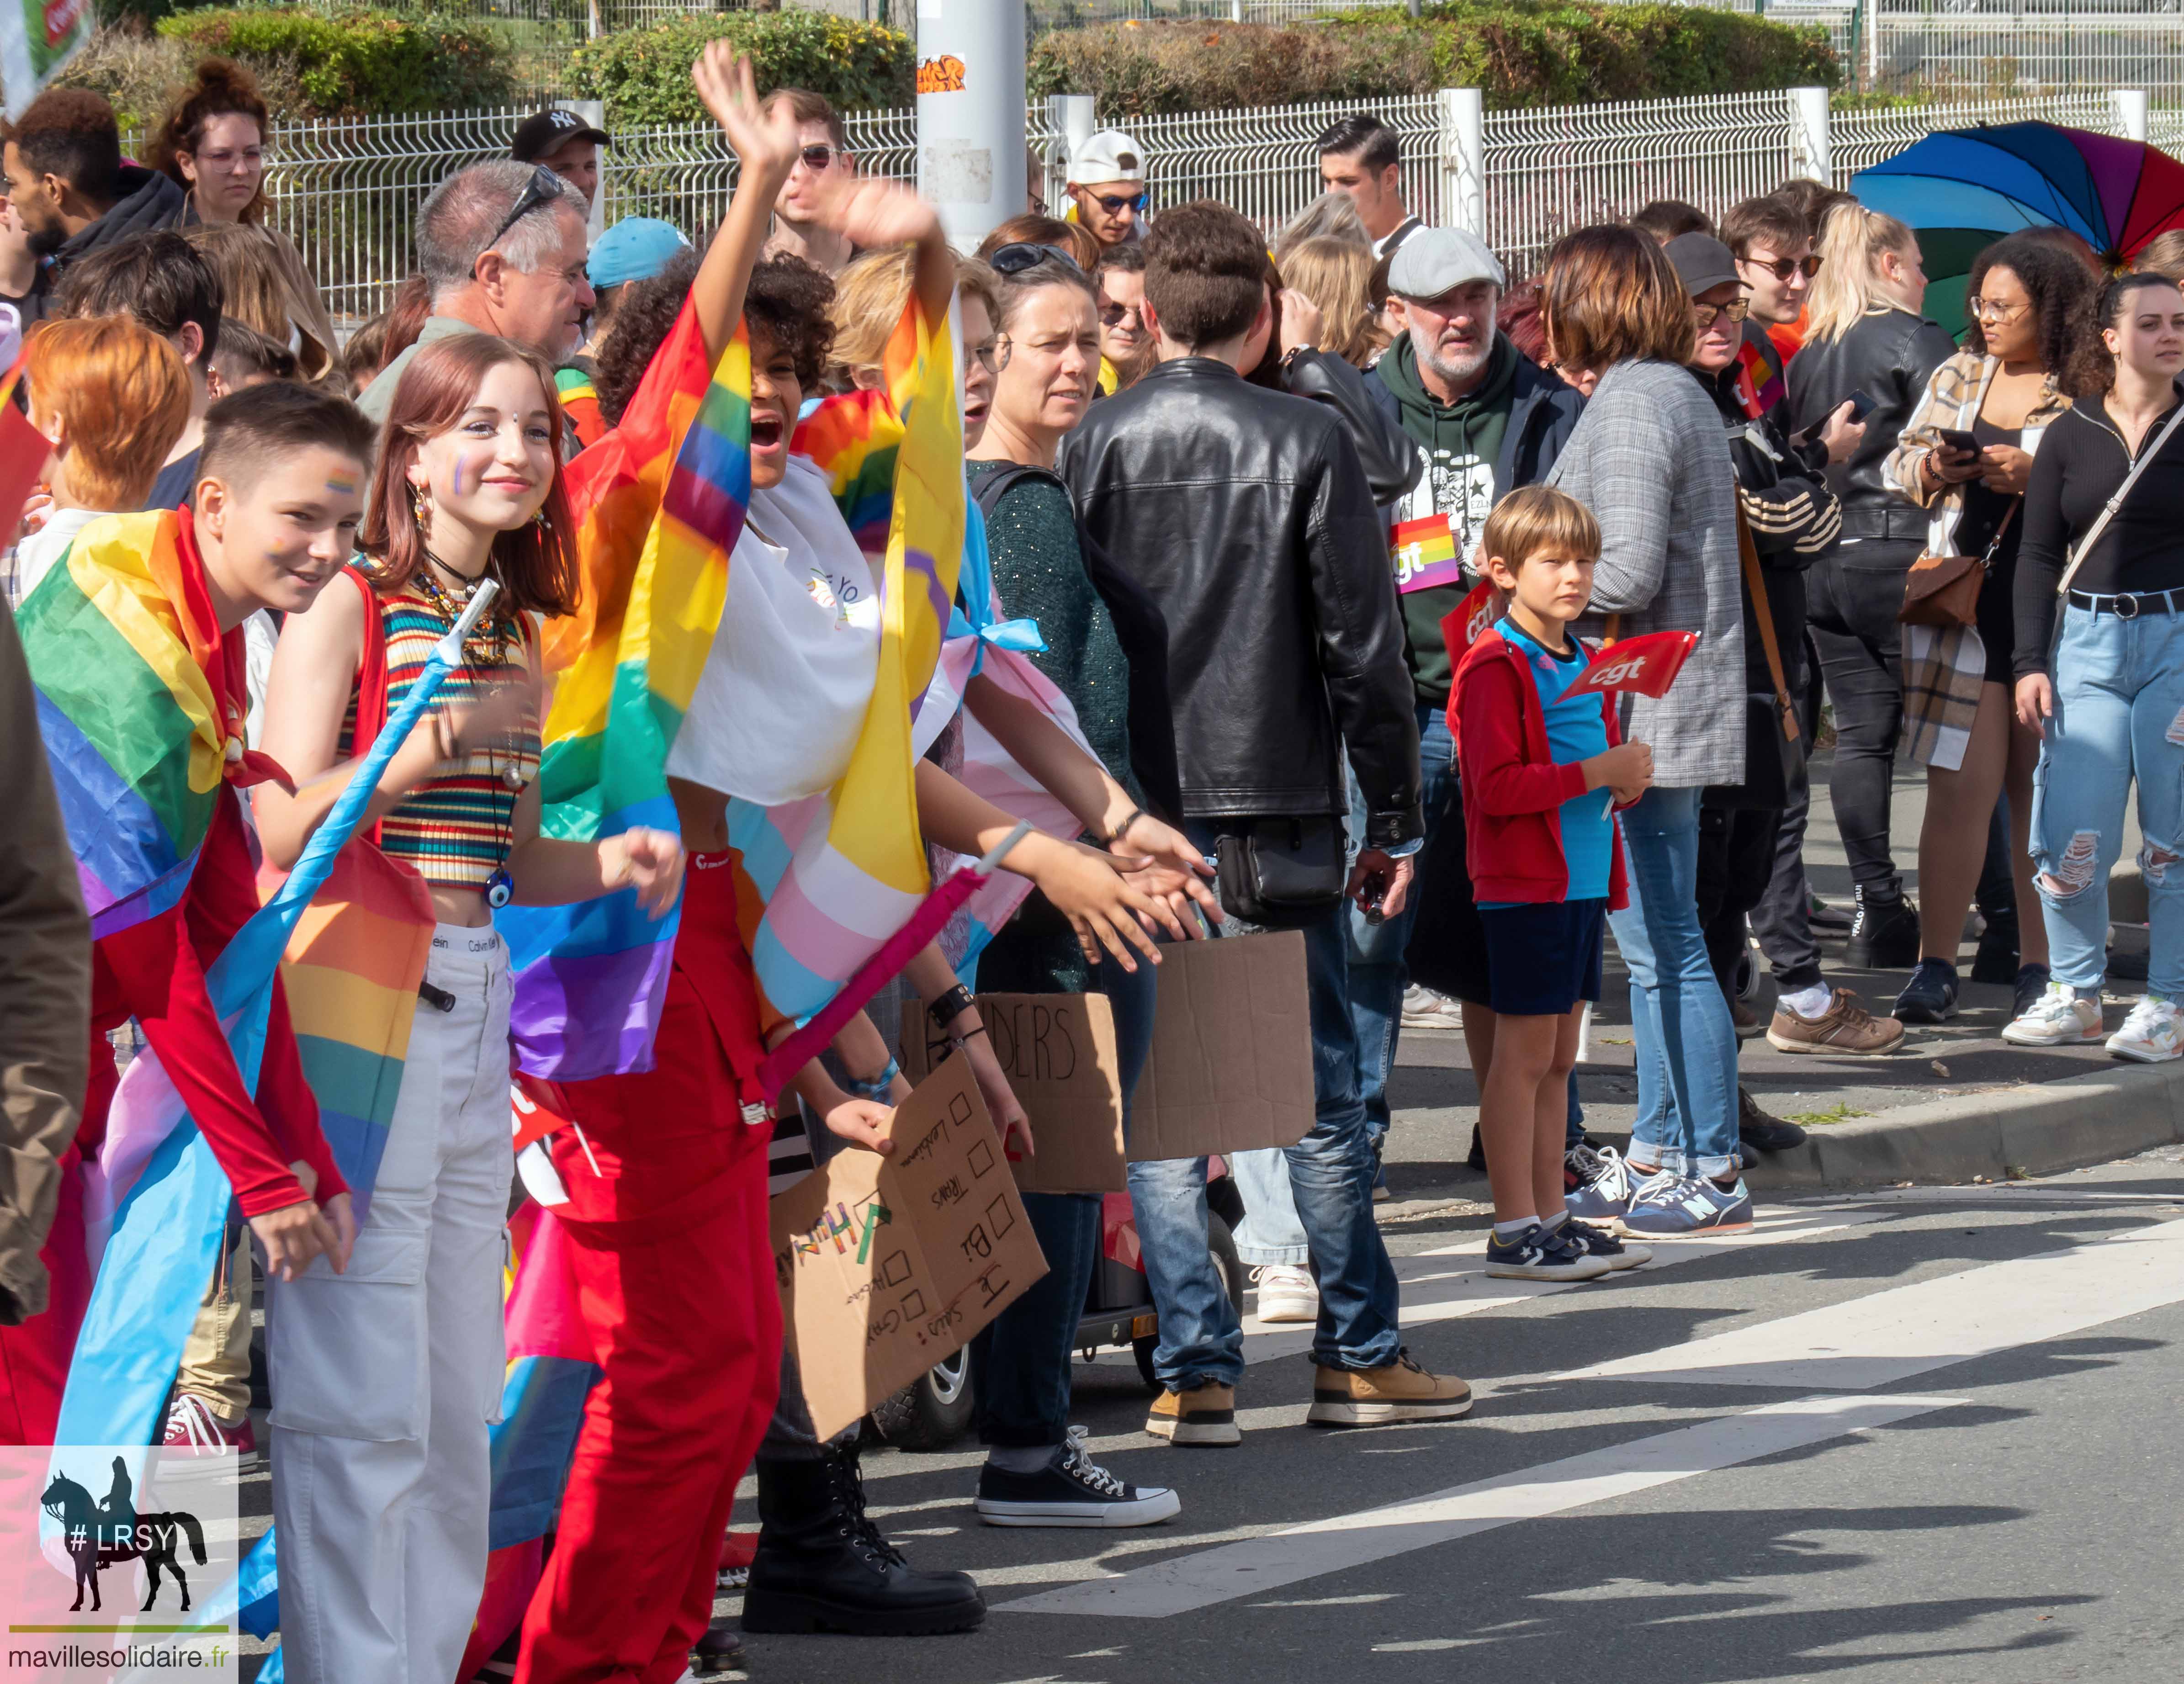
<point x="1377" y="975"/>
<point x="1330" y="1171"/>
<point x="1684" y="1042"/>
<point x="2119" y="699"/>
<point x="1021" y="1360"/>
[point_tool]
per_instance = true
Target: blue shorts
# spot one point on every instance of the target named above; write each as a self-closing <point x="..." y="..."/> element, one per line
<point x="1542" y="959"/>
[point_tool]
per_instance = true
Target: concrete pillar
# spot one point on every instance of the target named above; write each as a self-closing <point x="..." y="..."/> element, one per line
<point x="971" y="113"/>
<point x="1811" y="147"/>
<point x="1464" y="158"/>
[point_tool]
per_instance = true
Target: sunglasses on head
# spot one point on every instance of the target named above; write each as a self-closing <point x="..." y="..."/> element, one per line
<point x="1112" y="202"/>
<point x="1018" y="255"/>
<point x="817" y="157"/>
<point x="1703" y="315"/>
<point x="1782" y="268"/>
<point x="543" y="187"/>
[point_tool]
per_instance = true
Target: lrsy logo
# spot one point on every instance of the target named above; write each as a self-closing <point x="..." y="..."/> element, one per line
<point x="97" y="1535"/>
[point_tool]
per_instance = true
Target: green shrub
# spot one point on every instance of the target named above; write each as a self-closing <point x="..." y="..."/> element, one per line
<point x="1522" y="53"/>
<point x="643" y="75"/>
<point x="363" y="62"/>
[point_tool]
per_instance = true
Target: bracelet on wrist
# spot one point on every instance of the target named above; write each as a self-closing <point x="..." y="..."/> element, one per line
<point x="875" y="1089"/>
<point x="1123" y="829"/>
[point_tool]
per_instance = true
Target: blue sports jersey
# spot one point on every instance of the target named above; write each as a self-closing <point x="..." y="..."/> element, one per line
<point x="1575" y="732"/>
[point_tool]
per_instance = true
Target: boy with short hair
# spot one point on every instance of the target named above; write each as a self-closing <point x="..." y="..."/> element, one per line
<point x="1542" y="771"/>
<point x="247" y="358"/>
<point x="143" y="721"/>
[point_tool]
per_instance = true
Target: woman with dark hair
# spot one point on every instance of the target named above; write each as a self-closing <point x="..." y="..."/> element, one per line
<point x="2107" y="699"/>
<point x="1028" y="230"/>
<point x="388" y="1376"/>
<point x="1648" y="457"/>
<point x="212" y="144"/>
<point x="2003" y="388"/>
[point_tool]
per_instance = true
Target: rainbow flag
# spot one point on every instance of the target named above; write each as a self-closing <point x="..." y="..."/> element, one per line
<point x="128" y="715"/>
<point x="1759" y="383"/>
<point x="1424" y="552"/>
<point x="671" y="490"/>
<point x="825" y="880"/>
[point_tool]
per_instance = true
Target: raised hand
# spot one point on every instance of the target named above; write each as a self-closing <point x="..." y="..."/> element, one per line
<point x="870" y="211"/>
<point x="763" y="141"/>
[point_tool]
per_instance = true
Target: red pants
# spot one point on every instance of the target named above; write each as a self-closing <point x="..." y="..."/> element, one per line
<point x="35" y="1357"/>
<point x="675" y="1274"/>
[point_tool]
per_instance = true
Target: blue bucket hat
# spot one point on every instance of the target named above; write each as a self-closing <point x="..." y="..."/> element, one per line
<point x="636" y="248"/>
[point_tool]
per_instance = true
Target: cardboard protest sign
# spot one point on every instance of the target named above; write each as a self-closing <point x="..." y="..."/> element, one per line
<point x="1647" y="665"/>
<point x="1229" y="1068"/>
<point x="888" y="1264"/>
<point x="1058" y="1052"/>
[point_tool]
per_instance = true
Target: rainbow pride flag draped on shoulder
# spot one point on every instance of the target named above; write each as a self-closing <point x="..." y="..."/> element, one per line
<point x="129" y="716"/>
<point x="659" y="503"/>
<point x="825" y="881"/>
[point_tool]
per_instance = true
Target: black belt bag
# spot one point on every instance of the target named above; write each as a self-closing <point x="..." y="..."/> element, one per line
<point x="1282" y="872"/>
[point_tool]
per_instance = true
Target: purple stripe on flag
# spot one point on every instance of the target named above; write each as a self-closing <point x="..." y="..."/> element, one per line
<point x="1448" y="572"/>
<point x="566" y="1011"/>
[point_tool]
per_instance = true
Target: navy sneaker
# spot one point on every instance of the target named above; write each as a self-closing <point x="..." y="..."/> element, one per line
<point x="1598" y="1242"/>
<point x="1930" y="995"/>
<point x="1606" y="1194"/>
<point x="1688" y="1207"/>
<point x="1072" y="1490"/>
<point x="1537" y="1255"/>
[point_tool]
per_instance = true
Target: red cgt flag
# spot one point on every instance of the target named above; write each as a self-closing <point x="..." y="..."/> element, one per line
<point x="1645" y="665"/>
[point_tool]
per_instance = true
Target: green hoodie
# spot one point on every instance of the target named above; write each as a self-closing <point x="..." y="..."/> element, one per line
<point x="1461" y="443"/>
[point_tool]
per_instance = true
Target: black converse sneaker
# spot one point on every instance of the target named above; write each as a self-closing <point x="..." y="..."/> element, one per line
<point x="1072" y="1490"/>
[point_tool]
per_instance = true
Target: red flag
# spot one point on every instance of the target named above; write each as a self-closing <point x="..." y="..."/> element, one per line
<point x="1645" y="665"/>
<point x="1460" y="626"/>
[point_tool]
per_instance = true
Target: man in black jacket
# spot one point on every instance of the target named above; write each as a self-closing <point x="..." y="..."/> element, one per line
<point x="1245" y="513"/>
<point x="68" y="183"/>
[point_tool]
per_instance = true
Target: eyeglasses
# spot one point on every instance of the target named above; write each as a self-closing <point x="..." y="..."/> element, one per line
<point x="1782" y="268"/>
<point x="988" y="355"/>
<point x="1018" y="255"/>
<point x="1702" y="315"/>
<point x="543" y="187"/>
<point x="1114" y="316"/>
<point x="1114" y="203"/>
<point x="1987" y="309"/>
<point x="817" y="157"/>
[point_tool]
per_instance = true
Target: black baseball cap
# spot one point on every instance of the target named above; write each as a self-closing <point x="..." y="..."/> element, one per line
<point x="544" y="131"/>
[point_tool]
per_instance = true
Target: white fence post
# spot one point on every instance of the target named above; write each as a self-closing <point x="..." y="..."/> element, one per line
<point x="594" y="113"/>
<point x="2129" y="104"/>
<point x="1464" y="158"/>
<point x="1811" y="145"/>
<point x="1073" y="117"/>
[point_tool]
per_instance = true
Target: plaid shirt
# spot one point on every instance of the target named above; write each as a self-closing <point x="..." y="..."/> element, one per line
<point x="1943" y="666"/>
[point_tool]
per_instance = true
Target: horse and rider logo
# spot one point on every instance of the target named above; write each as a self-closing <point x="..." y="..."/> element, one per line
<point x="97" y="1535"/>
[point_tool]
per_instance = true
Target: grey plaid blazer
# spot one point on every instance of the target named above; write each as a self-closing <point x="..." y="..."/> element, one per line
<point x="1649" y="458"/>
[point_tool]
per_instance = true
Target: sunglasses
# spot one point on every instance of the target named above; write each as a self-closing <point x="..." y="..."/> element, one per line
<point x="1114" y="316"/>
<point x="1018" y="255"/>
<point x="1703" y="316"/>
<point x="1782" y="268"/>
<point x="1112" y="202"/>
<point x="543" y="187"/>
<point x="817" y="157"/>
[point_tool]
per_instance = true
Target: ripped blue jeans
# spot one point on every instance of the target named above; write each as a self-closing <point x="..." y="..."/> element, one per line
<point x="2119" y="719"/>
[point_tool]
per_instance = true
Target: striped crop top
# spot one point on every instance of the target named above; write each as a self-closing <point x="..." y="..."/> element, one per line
<point x="457" y="828"/>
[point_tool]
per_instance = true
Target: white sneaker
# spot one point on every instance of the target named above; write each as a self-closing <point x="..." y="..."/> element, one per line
<point x="2059" y="1017"/>
<point x="2154" y="1034"/>
<point x="1424" y="1009"/>
<point x="1287" y="1292"/>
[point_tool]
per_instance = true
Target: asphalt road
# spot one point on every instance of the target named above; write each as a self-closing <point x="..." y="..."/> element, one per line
<point x="1911" y="1436"/>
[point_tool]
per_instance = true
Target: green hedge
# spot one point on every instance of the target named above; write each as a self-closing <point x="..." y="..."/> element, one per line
<point x="643" y="75"/>
<point x="1522" y="53"/>
<point x="361" y="63"/>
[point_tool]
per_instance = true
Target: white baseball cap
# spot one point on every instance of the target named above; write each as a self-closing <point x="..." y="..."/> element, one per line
<point x="1111" y="155"/>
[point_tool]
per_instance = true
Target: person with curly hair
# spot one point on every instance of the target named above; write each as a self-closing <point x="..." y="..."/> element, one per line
<point x="212" y="145"/>
<point x="2004" y="390"/>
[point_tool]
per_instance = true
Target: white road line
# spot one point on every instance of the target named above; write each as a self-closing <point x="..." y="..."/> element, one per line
<point x="1347" y="1541"/>
<point x="1888" y="1336"/>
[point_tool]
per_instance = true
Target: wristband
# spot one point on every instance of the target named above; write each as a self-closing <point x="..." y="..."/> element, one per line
<point x="949" y="1006"/>
<point x="1123" y="829"/>
<point x="877" y="1088"/>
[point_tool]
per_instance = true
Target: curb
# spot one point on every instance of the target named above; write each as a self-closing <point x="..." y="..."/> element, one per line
<point x="2035" y="1129"/>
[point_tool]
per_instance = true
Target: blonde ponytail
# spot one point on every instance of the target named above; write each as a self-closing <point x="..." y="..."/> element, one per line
<point x="1851" y="241"/>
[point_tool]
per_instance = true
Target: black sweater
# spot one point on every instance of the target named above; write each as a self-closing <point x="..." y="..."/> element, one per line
<point x="2081" y="461"/>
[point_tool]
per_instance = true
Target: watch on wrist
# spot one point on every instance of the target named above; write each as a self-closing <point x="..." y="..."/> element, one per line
<point x="949" y="1006"/>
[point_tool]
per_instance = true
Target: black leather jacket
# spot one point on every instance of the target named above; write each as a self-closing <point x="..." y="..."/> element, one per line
<point x="1392" y="463"/>
<point x="1889" y="355"/>
<point x="1246" y="515"/>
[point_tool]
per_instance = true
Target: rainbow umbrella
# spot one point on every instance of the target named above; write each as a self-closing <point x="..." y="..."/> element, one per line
<point x="1964" y="189"/>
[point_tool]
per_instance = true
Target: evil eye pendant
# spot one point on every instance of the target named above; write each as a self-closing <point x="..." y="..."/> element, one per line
<point x="500" y="888"/>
